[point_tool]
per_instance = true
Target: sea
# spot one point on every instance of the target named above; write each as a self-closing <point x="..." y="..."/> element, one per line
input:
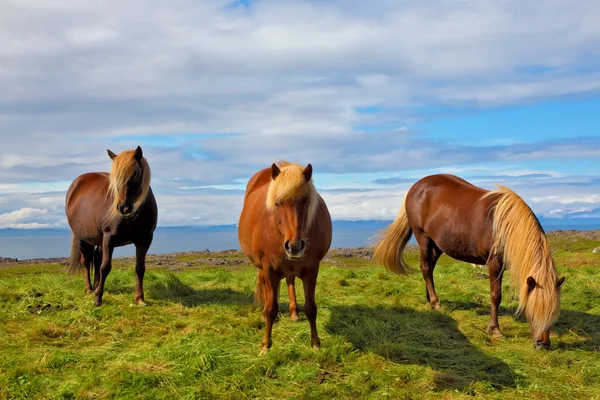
<point x="50" y="243"/>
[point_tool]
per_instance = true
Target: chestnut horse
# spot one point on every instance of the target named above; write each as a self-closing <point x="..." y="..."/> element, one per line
<point x="108" y="211"/>
<point x="285" y="230"/>
<point x="496" y="228"/>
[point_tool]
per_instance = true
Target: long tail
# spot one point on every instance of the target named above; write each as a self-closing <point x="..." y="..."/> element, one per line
<point x="389" y="248"/>
<point x="75" y="261"/>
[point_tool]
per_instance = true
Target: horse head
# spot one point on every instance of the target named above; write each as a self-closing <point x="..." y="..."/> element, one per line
<point x="129" y="181"/>
<point x="536" y="310"/>
<point x="293" y="201"/>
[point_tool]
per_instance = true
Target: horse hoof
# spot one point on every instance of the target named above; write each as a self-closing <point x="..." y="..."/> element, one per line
<point x="295" y="318"/>
<point x="436" y="306"/>
<point x="264" y="351"/>
<point x="141" y="303"/>
<point x="495" y="333"/>
<point x="97" y="302"/>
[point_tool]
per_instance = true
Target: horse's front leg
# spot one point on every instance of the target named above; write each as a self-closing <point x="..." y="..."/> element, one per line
<point x="271" y="308"/>
<point x="141" y="249"/>
<point x="105" y="267"/>
<point x="309" y="281"/>
<point x="292" y="294"/>
<point x="495" y="272"/>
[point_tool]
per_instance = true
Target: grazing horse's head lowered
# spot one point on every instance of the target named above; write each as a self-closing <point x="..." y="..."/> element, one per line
<point x="449" y="215"/>
<point x="129" y="181"/>
<point x="293" y="200"/>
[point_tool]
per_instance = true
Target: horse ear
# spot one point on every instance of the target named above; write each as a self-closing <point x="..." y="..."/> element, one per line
<point x="307" y="172"/>
<point x="560" y="282"/>
<point x="138" y="153"/>
<point x="111" y="154"/>
<point x="531" y="283"/>
<point x="274" y="171"/>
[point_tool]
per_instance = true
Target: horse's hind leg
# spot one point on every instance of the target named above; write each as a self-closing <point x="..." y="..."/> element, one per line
<point x="292" y="294"/>
<point x="430" y="253"/>
<point x="87" y="255"/>
<point x="97" y="264"/>
<point x="495" y="272"/>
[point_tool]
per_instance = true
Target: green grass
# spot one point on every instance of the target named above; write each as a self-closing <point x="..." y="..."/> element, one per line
<point x="200" y="335"/>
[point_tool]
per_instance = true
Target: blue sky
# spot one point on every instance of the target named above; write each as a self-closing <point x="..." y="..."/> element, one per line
<point x="374" y="94"/>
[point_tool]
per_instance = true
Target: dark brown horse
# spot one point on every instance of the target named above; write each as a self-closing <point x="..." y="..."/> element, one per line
<point x="496" y="228"/>
<point x="108" y="211"/>
<point x="285" y="230"/>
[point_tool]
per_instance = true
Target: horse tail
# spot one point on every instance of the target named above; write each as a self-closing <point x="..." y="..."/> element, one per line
<point x="520" y="242"/>
<point x="389" y="248"/>
<point x="75" y="260"/>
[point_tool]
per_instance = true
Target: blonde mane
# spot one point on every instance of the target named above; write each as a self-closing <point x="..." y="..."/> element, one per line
<point x="290" y="185"/>
<point x="521" y="243"/>
<point x="124" y="168"/>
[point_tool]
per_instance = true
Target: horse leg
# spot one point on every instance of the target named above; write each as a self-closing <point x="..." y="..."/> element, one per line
<point x="140" y="269"/>
<point x="86" y="256"/>
<point x="292" y="294"/>
<point x="309" y="281"/>
<point x="105" y="267"/>
<point x="271" y="308"/>
<point x="97" y="264"/>
<point x="430" y="253"/>
<point x="495" y="272"/>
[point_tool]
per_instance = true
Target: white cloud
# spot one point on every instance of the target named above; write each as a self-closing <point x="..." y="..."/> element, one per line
<point x="286" y="77"/>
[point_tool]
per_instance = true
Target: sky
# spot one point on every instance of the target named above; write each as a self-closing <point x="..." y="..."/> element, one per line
<point x="375" y="95"/>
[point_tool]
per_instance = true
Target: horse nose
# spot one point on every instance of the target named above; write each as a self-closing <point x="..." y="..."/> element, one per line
<point x="295" y="249"/>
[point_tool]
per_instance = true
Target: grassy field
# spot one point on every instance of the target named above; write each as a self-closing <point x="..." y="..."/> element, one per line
<point x="200" y="335"/>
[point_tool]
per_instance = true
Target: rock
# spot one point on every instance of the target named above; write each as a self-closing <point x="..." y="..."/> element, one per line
<point x="596" y="250"/>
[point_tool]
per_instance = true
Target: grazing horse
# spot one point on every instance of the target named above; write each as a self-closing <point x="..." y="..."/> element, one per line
<point x="285" y="231"/>
<point x="108" y="211"/>
<point x="494" y="228"/>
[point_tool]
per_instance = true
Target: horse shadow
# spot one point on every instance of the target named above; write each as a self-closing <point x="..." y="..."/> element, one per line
<point x="406" y="336"/>
<point x="172" y="289"/>
<point x="586" y="327"/>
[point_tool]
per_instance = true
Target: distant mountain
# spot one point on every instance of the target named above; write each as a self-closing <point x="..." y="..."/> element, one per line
<point x="582" y="219"/>
<point x="583" y="212"/>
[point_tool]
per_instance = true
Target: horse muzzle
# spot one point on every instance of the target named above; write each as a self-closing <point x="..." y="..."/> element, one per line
<point x="294" y="250"/>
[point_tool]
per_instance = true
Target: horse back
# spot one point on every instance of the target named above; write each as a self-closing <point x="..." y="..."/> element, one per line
<point x="89" y="186"/>
<point x="454" y="214"/>
<point x="258" y="180"/>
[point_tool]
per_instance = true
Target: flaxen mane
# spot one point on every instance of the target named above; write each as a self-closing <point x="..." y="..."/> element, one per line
<point x="521" y="242"/>
<point x="290" y="185"/>
<point x="124" y="168"/>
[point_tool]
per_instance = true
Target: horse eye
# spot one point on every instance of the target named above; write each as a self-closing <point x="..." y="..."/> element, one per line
<point x="277" y="204"/>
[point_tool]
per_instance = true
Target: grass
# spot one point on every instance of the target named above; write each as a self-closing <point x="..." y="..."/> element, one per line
<point x="200" y="336"/>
